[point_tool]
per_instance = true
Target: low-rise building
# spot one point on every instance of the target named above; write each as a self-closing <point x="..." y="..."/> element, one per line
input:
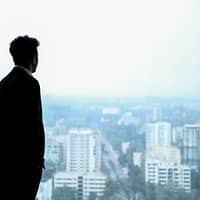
<point x="84" y="184"/>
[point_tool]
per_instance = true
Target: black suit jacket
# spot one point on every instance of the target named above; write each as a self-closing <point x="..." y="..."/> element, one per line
<point x="21" y="126"/>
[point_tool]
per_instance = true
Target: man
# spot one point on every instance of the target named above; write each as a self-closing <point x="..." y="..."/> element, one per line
<point x="21" y="126"/>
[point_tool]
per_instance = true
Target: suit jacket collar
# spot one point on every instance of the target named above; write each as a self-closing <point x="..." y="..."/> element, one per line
<point x="25" y="70"/>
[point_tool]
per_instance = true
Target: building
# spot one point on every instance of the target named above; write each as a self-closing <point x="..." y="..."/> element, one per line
<point x="162" y="173"/>
<point x="190" y="146"/>
<point x="55" y="150"/>
<point x="170" y="155"/>
<point x="83" y="151"/>
<point x="125" y="146"/>
<point x="137" y="159"/>
<point x="83" y="166"/>
<point x="163" y="166"/>
<point x="158" y="133"/>
<point x="177" y="135"/>
<point x="59" y="128"/>
<point x="85" y="184"/>
<point x="154" y="114"/>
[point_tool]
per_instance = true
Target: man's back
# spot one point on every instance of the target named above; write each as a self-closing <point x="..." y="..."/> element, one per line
<point x="21" y="118"/>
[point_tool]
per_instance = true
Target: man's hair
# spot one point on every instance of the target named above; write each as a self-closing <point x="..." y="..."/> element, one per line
<point x="23" y="49"/>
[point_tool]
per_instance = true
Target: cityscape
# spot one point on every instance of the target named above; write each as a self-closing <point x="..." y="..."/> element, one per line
<point x="121" y="148"/>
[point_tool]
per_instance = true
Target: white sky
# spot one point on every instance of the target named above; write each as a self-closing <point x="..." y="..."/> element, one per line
<point x="109" y="47"/>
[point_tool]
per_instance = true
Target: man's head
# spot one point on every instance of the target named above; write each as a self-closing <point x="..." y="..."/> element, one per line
<point x="24" y="52"/>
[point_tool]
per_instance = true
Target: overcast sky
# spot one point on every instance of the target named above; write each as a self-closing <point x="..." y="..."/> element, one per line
<point x="109" y="47"/>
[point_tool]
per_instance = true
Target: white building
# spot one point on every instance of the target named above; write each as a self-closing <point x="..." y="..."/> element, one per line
<point x="163" y="166"/>
<point x="45" y="190"/>
<point x="190" y="147"/>
<point x="83" y="168"/>
<point x="161" y="173"/>
<point x="158" y="133"/>
<point x="137" y="159"/>
<point x="125" y="146"/>
<point x="83" y="183"/>
<point x="83" y="151"/>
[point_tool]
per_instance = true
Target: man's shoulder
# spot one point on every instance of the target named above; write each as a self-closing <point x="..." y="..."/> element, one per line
<point x="17" y="77"/>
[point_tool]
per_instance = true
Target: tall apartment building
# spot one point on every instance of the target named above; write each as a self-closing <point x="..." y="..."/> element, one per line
<point x="158" y="133"/>
<point x="190" y="147"/>
<point x="83" y="164"/>
<point x="163" y="166"/>
<point x="83" y="151"/>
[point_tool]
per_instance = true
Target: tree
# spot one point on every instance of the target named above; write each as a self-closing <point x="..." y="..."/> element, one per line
<point x="64" y="193"/>
<point x="92" y="196"/>
<point x="150" y="193"/>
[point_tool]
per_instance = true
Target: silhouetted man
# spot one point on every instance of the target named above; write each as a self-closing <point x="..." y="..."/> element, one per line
<point x="21" y="126"/>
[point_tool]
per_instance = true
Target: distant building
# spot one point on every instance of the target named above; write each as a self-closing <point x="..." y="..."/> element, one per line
<point x="110" y="111"/>
<point x="55" y="150"/>
<point x="177" y="135"/>
<point x="137" y="159"/>
<point x="155" y="114"/>
<point x="190" y="147"/>
<point x="170" y="155"/>
<point x="127" y="119"/>
<point x="163" y="166"/>
<point x="125" y="147"/>
<point x="45" y="190"/>
<point x="60" y="128"/>
<point x="158" y="133"/>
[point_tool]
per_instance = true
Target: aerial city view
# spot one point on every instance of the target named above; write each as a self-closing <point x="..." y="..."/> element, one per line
<point x="121" y="149"/>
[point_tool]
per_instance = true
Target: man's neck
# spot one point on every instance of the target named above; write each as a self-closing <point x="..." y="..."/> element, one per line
<point x="25" y="69"/>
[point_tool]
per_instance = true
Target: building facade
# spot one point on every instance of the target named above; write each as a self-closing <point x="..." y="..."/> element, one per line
<point x="158" y="133"/>
<point x="163" y="166"/>
<point x="83" y="151"/>
<point x="190" y="146"/>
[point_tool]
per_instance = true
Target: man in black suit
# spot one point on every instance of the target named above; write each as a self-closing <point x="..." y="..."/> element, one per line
<point x="21" y="126"/>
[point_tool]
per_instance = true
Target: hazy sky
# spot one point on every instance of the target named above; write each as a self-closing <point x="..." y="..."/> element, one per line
<point x="110" y="47"/>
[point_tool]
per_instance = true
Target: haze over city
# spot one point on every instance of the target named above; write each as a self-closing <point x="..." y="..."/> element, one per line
<point x="132" y="48"/>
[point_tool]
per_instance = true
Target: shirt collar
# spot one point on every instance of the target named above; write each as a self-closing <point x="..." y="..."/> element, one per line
<point x="25" y="69"/>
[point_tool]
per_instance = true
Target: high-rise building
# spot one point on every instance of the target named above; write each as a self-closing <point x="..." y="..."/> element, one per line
<point x="190" y="146"/>
<point x="83" y="151"/>
<point x="158" y="133"/>
<point x="83" y="168"/>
